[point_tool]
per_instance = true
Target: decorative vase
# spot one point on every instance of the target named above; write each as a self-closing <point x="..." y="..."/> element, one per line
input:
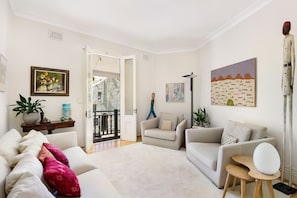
<point x="66" y="111"/>
<point x="30" y="118"/>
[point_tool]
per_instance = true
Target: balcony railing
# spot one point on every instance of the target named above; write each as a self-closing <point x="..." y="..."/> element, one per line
<point x="106" y="125"/>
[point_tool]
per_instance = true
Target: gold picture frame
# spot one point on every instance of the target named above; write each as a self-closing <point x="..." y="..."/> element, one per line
<point x="49" y="82"/>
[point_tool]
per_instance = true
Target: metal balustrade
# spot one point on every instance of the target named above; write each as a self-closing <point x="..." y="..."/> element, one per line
<point x="106" y="125"/>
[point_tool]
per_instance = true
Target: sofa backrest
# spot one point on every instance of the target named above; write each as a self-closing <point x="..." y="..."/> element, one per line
<point x="258" y="131"/>
<point x="8" y="149"/>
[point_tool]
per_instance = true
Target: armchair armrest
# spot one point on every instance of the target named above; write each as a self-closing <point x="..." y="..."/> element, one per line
<point x="148" y="124"/>
<point x="205" y="135"/>
<point x="63" y="140"/>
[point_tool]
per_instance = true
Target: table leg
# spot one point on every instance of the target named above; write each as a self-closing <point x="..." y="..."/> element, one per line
<point x="269" y="185"/>
<point x="50" y="132"/>
<point x="243" y="188"/>
<point x="257" y="188"/>
<point x="234" y="183"/>
<point x="226" y="185"/>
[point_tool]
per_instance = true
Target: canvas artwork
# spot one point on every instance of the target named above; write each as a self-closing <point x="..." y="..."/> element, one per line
<point x="234" y="85"/>
<point x="175" y="92"/>
<point x="2" y="72"/>
<point x="49" y="82"/>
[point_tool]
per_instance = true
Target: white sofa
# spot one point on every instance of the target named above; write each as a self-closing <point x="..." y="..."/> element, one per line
<point x="21" y="173"/>
<point x="205" y="150"/>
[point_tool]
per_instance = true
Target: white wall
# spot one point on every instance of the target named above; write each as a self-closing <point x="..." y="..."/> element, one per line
<point x="5" y="20"/>
<point x="259" y="36"/>
<point x="169" y="69"/>
<point x="30" y="46"/>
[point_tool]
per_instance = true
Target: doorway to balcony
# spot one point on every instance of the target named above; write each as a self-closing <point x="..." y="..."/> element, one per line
<point x="106" y="105"/>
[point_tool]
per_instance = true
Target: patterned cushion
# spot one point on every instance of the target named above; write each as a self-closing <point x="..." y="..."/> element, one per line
<point x="57" y="152"/>
<point x="228" y="139"/>
<point x="61" y="178"/>
<point x="44" y="152"/>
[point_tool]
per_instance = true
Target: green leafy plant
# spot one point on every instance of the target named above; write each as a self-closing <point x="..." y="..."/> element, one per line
<point x="201" y="117"/>
<point x="27" y="105"/>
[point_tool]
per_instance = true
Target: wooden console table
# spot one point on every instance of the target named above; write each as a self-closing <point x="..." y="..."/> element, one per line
<point x="254" y="173"/>
<point x="50" y="126"/>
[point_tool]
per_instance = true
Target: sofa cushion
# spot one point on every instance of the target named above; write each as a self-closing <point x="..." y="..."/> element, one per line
<point x="5" y="169"/>
<point x="206" y="153"/>
<point x="30" y="150"/>
<point x="33" y="137"/>
<point x="168" y="116"/>
<point x="57" y="152"/>
<point x="78" y="160"/>
<point x="61" y="178"/>
<point x="258" y="132"/>
<point x="9" y="143"/>
<point x="166" y="125"/>
<point x="28" y="164"/>
<point x="44" y="153"/>
<point x="29" y="185"/>
<point x="160" y="134"/>
<point x="95" y="184"/>
<point x="237" y="130"/>
<point x="228" y="139"/>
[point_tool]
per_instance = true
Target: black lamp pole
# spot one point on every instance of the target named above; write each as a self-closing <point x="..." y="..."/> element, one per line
<point x="191" y="76"/>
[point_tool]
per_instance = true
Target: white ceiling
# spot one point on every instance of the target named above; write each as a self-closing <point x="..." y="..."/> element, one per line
<point x="158" y="26"/>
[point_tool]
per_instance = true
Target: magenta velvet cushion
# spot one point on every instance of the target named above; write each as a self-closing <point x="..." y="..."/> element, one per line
<point x="61" y="178"/>
<point x="57" y="152"/>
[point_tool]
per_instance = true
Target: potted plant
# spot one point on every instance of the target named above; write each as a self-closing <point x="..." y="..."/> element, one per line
<point x="30" y="109"/>
<point x="201" y="117"/>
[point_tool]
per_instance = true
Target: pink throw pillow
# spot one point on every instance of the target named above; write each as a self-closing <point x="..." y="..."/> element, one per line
<point x="61" y="178"/>
<point x="57" y="152"/>
<point x="43" y="153"/>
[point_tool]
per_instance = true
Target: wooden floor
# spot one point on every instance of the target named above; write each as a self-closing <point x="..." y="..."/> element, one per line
<point x="101" y="146"/>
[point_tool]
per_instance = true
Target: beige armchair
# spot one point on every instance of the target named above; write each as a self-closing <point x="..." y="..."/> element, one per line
<point x="165" y="131"/>
<point x="211" y="149"/>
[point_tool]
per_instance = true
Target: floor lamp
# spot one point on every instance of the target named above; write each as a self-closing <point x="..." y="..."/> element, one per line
<point x="191" y="76"/>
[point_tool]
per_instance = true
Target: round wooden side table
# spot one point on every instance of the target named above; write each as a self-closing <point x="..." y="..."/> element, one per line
<point x="239" y="172"/>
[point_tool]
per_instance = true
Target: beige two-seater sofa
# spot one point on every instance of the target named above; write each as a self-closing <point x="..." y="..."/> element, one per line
<point x="205" y="148"/>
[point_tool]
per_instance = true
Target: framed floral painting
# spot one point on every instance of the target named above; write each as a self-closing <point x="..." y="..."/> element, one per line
<point x="49" y="82"/>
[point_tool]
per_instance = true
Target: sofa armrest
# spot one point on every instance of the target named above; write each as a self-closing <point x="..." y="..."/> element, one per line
<point x="242" y="148"/>
<point x="148" y="124"/>
<point x="180" y="128"/>
<point x="63" y="140"/>
<point x="205" y="135"/>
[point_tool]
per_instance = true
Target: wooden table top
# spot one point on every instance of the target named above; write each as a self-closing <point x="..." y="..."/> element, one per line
<point x="248" y="162"/>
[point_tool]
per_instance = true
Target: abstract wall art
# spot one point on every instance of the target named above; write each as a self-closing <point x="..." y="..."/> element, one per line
<point x="234" y="85"/>
<point x="175" y="92"/>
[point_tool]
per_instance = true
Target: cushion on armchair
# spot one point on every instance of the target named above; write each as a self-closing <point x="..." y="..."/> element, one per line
<point x="165" y="117"/>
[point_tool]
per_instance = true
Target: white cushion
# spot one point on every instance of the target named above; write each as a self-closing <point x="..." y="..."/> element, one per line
<point x="33" y="137"/>
<point x="29" y="164"/>
<point x="4" y="171"/>
<point x="239" y="131"/>
<point x="9" y="144"/>
<point x="29" y="186"/>
<point x="78" y="160"/>
<point x="168" y="116"/>
<point x="30" y="150"/>
<point x="95" y="184"/>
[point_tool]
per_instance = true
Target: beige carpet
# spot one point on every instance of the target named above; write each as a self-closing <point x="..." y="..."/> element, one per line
<point x="144" y="171"/>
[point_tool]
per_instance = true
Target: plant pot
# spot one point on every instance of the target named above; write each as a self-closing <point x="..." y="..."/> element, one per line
<point x="30" y="118"/>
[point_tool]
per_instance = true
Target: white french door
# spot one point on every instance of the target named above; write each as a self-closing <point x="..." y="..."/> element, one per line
<point x="128" y="98"/>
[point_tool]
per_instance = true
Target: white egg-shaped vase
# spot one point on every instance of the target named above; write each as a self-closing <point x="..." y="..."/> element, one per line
<point x="266" y="158"/>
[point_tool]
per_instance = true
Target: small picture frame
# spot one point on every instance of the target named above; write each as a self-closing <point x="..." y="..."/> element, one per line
<point x="49" y="82"/>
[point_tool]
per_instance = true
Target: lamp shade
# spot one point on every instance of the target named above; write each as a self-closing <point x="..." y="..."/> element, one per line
<point x="266" y="158"/>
